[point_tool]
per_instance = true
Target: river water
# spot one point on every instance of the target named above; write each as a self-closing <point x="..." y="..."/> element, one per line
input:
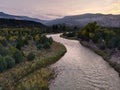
<point x="82" y="69"/>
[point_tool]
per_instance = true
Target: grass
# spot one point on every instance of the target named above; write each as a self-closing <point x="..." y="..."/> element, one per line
<point x="13" y="78"/>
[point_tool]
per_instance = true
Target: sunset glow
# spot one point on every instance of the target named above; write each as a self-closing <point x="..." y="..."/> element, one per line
<point x="51" y="9"/>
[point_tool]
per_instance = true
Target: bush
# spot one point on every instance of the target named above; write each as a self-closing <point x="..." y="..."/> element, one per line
<point x="10" y="61"/>
<point x="46" y="45"/>
<point x="4" y="42"/>
<point x="50" y="40"/>
<point x="12" y="50"/>
<point x="3" y="64"/>
<point x="18" y="56"/>
<point x="31" y="56"/>
<point x="39" y="46"/>
<point x="3" y="51"/>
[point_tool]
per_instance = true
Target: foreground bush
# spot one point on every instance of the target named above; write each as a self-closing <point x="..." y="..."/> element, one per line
<point x="17" y="75"/>
<point x="10" y="61"/>
<point x="18" y="56"/>
<point x="3" y="51"/>
<point x="3" y="64"/>
<point x="31" y="56"/>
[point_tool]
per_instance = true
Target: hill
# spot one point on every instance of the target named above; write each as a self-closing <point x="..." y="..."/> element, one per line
<point x="108" y="20"/>
<point x="12" y="23"/>
<point x="8" y="16"/>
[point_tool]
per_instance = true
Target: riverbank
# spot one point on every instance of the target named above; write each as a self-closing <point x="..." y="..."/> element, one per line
<point x="82" y="69"/>
<point x="71" y="38"/>
<point x="113" y="58"/>
<point x="33" y="74"/>
<point x="107" y="55"/>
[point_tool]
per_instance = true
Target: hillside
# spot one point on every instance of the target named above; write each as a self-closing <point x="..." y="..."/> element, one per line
<point x="81" y="20"/>
<point x="9" y="23"/>
<point x="8" y="16"/>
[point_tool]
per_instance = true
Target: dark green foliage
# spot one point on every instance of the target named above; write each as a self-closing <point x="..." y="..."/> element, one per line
<point x="10" y="61"/>
<point x="43" y="39"/>
<point x="3" y="51"/>
<point x="18" y="56"/>
<point x="3" y="64"/>
<point x="106" y="38"/>
<point x="46" y="45"/>
<point x="57" y="28"/>
<point x="50" y="40"/>
<point x="44" y="42"/>
<point x="88" y="31"/>
<point x="70" y="34"/>
<point x="3" y="42"/>
<point x="31" y="56"/>
<point x="13" y="40"/>
<point x="21" y="42"/>
<point x="39" y="46"/>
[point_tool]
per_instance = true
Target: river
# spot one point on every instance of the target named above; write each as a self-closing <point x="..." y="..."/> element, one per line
<point x="82" y="69"/>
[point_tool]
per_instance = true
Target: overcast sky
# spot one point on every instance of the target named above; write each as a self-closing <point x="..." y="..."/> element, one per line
<point x="51" y="9"/>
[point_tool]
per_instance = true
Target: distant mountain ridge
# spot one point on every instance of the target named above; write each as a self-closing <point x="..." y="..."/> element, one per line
<point x="13" y="23"/>
<point x="7" y="16"/>
<point x="108" y="20"/>
<point x="104" y="20"/>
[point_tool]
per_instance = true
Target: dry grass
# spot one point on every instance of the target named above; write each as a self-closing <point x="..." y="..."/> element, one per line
<point x="12" y="77"/>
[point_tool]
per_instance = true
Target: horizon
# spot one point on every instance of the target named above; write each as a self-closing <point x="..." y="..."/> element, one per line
<point x="54" y="9"/>
<point x="57" y="18"/>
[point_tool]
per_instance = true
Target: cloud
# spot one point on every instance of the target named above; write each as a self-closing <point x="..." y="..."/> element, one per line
<point x="116" y="8"/>
<point x="51" y="9"/>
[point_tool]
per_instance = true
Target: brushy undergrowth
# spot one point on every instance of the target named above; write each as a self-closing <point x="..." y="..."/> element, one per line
<point x="12" y="79"/>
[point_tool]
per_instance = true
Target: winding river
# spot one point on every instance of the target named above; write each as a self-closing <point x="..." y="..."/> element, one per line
<point x="82" y="69"/>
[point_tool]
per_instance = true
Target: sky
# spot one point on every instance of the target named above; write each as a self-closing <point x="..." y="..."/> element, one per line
<point x="52" y="9"/>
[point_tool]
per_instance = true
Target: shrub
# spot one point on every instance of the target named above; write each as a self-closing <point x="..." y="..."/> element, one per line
<point x="3" y="51"/>
<point x="43" y="39"/>
<point x="4" y="42"/>
<point x="10" y="61"/>
<point x="3" y="64"/>
<point x="31" y="56"/>
<point x="46" y="45"/>
<point x="39" y="46"/>
<point x="12" y="50"/>
<point x="18" y="56"/>
<point x="50" y="40"/>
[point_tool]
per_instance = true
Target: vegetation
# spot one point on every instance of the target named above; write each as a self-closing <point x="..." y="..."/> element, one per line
<point x="105" y="40"/>
<point x="70" y="35"/>
<point x="20" y="57"/>
<point x="58" y="28"/>
<point x="12" y="23"/>
<point x="31" y="56"/>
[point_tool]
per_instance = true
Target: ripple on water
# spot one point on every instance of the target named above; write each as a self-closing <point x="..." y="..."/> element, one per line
<point x="81" y="69"/>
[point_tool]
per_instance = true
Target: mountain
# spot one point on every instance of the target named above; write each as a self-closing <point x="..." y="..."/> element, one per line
<point x="7" y="16"/>
<point x="103" y="20"/>
<point x="108" y="20"/>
